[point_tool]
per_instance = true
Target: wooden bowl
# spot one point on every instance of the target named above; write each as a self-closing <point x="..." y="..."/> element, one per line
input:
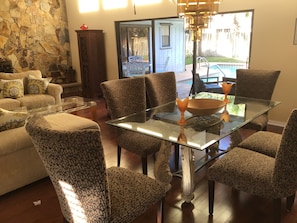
<point x="205" y="106"/>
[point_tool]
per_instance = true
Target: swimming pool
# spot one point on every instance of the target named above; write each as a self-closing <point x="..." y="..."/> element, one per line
<point x="227" y="70"/>
<point x="218" y="70"/>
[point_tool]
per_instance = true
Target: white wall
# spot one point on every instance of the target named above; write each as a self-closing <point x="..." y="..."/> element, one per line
<point x="272" y="42"/>
<point x="272" y="47"/>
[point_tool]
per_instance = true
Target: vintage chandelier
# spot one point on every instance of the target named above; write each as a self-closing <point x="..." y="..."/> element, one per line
<point x="197" y="13"/>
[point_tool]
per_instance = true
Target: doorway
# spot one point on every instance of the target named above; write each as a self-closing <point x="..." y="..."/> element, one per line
<point x="149" y="46"/>
<point x="158" y="45"/>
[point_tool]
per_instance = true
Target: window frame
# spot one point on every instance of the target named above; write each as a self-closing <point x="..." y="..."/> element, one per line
<point x="165" y="37"/>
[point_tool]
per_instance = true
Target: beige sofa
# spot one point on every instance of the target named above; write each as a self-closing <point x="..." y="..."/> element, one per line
<point x="36" y="100"/>
<point x="19" y="163"/>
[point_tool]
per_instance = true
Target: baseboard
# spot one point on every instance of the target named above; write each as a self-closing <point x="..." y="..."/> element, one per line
<point x="276" y="123"/>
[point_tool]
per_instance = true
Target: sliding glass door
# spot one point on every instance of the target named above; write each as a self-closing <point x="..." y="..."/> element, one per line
<point x="148" y="46"/>
<point x="135" y="48"/>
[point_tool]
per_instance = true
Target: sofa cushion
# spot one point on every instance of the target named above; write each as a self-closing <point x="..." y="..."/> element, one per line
<point x="65" y="121"/>
<point x="8" y="145"/>
<point x="57" y="121"/>
<point x="11" y="88"/>
<point x="9" y="103"/>
<point x="37" y="85"/>
<point x="11" y="119"/>
<point x="20" y="75"/>
<point x="11" y="76"/>
<point x="36" y="100"/>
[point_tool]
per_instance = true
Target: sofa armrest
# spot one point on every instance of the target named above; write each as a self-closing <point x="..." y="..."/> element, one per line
<point x="56" y="91"/>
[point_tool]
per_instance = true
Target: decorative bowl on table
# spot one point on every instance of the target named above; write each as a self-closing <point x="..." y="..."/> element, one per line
<point x="205" y="106"/>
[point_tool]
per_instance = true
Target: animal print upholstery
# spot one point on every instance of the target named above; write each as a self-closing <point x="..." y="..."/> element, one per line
<point x="87" y="190"/>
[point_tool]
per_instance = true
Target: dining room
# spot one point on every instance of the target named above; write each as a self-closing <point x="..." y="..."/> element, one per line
<point x="193" y="199"/>
<point x="38" y="202"/>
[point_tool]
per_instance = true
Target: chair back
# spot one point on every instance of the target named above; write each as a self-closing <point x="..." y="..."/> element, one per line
<point x="285" y="170"/>
<point x="75" y="164"/>
<point x="124" y="96"/>
<point x="160" y="88"/>
<point x="256" y="83"/>
<point x="135" y="58"/>
<point x="136" y="68"/>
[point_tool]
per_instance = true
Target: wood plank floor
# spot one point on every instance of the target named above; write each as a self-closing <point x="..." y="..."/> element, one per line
<point x="230" y="206"/>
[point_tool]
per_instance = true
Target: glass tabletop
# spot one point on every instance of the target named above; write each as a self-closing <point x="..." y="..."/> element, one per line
<point x="68" y="105"/>
<point x="199" y="131"/>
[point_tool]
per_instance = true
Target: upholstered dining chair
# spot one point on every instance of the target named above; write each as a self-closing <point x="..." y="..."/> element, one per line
<point x="86" y="189"/>
<point x="264" y="142"/>
<point x="258" y="84"/>
<point x="124" y="97"/>
<point x="161" y="89"/>
<point x="259" y="174"/>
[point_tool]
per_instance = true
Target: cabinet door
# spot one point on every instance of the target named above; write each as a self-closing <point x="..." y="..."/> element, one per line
<point x="92" y="61"/>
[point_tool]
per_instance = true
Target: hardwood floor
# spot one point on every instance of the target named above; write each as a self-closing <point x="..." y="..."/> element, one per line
<point x="230" y="206"/>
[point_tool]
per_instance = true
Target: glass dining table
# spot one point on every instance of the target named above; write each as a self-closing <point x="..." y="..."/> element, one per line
<point x="199" y="133"/>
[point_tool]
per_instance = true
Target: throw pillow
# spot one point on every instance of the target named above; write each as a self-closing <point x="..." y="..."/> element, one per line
<point x="11" y="119"/>
<point x="37" y="85"/>
<point x="12" y="88"/>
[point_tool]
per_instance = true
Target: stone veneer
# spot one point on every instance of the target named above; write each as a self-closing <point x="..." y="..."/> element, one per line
<point x="34" y="35"/>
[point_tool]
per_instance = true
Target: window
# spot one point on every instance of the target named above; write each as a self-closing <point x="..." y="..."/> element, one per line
<point x="165" y="35"/>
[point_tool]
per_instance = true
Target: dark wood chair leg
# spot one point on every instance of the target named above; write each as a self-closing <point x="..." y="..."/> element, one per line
<point x="119" y="155"/>
<point x="290" y="202"/>
<point x="176" y="156"/>
<point x="211" y="188"/>
<point x="277" y="210"/>
<point x="144" y="165"/>
<point x="160" y="211"/>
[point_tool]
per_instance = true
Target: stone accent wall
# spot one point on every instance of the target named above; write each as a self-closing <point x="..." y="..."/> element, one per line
<point x="34" y="35"/>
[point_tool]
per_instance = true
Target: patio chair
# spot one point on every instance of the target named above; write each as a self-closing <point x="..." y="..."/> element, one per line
<point x="163" y="67"/>
<point x="135" y="68"/>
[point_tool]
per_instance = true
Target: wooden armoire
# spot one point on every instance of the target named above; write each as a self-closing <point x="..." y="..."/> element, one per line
<point x="92" y="61"/>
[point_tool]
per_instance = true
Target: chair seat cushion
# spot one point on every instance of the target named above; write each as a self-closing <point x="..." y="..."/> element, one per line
<point x="263" y="142"/>
<point x="131" y="193"/>
<point x="9" y="103"/>
<point x="240" y="168"/>
<point x="36" y="100"/>
<point x="8" y="146"/>
<point x="138" y="143"/>
<point x="258" y="123"/>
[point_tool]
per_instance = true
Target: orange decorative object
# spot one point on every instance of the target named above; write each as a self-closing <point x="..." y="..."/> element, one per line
<point x="205" y="106"/>
<point x="226" y="87"/>
<point x="182" y="106"/>
<point x="182" y="137"/>
<point x="225" y="115"/>
<point x="84" y="27"/>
